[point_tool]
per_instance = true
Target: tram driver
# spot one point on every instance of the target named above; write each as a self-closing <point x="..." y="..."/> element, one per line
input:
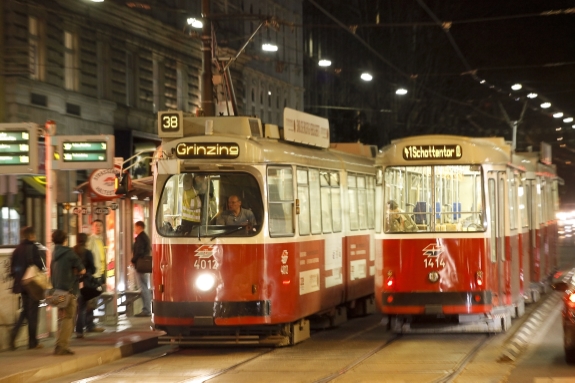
<point x="396" y="220"/>
<point x="236" y="215"/>
<point x="196" y="192"/>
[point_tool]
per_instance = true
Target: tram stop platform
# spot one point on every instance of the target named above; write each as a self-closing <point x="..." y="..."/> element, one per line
<point x="131" y="335"/>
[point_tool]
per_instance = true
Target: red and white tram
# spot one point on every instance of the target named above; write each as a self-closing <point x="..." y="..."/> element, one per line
<point x="310" y="253"/>
<point x="471" y="218"/>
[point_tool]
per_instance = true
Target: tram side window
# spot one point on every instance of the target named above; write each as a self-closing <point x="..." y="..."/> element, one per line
<point x="512" y="203"/>
<point x="522" y="196"/>
<point x="326" y="219"/>
<point x="281" y="201"/>
<point x="315" y="196"/>
<point x="303" y="197"/>
<point x="353" y="211"/>
<point x="335" y="202"/>
<point x="370" y="194"/>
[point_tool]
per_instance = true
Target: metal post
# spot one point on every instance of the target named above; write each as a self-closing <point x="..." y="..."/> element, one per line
<point x="207" y="85"/>
<point x="51" y="211"/>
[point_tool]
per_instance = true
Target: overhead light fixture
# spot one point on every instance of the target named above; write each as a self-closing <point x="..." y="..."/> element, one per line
<point x="546" y="105"/>
<point x="401" y="91"/>
<point x="269" y="47"/>
<point x="558" y="129"/>
<point x="516" y="86"/>
<point x="97" y="1"/>
<point x="558" y="115"/>
<point x="324" y="63"/>
<point x="195" y="23"/>
<point x="568" y="119"/>
<point x="532" y="95"/>
<point x="366" y="76"/>
<point x="559" y="138"/>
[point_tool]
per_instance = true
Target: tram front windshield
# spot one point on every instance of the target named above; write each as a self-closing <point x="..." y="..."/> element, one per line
<point x="210" y="204"/>
<point x="433" y="198"/>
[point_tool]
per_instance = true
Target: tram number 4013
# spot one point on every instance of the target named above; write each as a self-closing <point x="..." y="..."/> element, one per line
<point x="204" y="264"/>
<point x="434" y="262"/>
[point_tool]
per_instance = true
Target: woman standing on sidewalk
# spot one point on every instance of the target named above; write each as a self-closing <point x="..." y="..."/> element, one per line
<point x="65" y="268"/>
<point x="87" y="259"/>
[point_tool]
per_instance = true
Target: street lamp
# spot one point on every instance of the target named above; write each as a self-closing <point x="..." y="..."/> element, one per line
<point x="516" y="86"/>
<point x="558" y="115"/>
<point x="401" y="91"/>
<point x="546" y="105"/>
<point x="366" y="76"/>
<point x="532" y="95"/>
<point x="195" y="23"/>
<point x="269" y="47"/>
<point x="324" y="63"/>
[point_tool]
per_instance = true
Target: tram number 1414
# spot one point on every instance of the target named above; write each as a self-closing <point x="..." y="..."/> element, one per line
<point x="204" y="264"/>
<point x="434" y="262"/>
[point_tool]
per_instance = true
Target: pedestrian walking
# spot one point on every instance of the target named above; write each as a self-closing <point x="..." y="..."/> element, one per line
<point x="65" y="267"/>
<point x="25" y="254"/>
<point x="97" y="246"/>
<point x="142" y="248"/>
<point x="87" y="259"/>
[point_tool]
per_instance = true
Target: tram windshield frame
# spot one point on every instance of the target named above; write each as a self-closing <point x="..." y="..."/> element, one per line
<point x="219" y="186"/>
<point x="434" y="198"/>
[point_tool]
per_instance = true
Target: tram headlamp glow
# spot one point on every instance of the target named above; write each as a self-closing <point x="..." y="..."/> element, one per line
<point x="205" y="282"/>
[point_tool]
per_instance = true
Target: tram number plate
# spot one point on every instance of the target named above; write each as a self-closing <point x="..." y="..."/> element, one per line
<point x="434" y="262"/>
<point x="203" y="264"/>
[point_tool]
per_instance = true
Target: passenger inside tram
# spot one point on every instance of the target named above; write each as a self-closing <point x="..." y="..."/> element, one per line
<point x="397" y="220"/>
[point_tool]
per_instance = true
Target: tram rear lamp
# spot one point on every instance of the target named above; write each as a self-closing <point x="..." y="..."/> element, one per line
<point x="571" y="297"/>
<point x="205" y="282"/>
<point x="479" y="278"/>
<point x="477" y="298"/>
<point x="389" y="298"/>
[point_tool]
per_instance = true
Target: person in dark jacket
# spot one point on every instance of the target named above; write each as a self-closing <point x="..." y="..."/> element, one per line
<point x="65" y="268"/>
<point x="142" y="248"/>
<point x="87" y="259"/>
<point x="25" y="254"/>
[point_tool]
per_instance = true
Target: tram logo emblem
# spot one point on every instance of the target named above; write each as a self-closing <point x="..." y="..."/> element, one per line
<point x="432" y="250"/>
<point x="205" y="251"/>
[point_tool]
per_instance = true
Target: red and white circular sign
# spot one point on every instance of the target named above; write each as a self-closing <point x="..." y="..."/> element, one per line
<point x="103" y="183"/>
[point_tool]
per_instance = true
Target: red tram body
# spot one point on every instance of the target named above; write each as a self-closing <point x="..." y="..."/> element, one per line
<point x="310" y="254"/>
<point x="474" y="255"/>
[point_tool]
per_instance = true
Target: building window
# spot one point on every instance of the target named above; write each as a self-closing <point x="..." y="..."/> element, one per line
<point x="71" y="61"/>
<point x="158" y="83"/>
<point x="36" y="55"/>
<point x="182" y="90"/>
<point x="104" y="70"/>
<point x="130" y="80"/>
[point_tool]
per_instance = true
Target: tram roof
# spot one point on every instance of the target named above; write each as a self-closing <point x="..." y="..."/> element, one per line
<point x="445" y="149"/>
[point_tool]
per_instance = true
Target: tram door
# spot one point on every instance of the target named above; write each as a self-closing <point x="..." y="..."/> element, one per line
<point x="497" y="197"/>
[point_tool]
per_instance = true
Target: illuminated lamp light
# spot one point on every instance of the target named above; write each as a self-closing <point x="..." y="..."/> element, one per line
<point x="287" y="282"/>
<point x="477" y="298"/>
<point x="573" y="126"/>
<point x="559" y="138"/>
<point x="558" y="129"/>
<point x="482" y="82"/>
<point x="546" y="105"/>
<point x="389" y="298"/>
<point x="568" y="119"/>
<point x="532" y="95"/>
<point x="479" y="278"/>
<point x="516" y="86"/>
<point x="572" y="297"/>
<point x="366" y="76"/>
<point x="195" y="23"/>
<point x="269" y="47"/>
<point x="205" y="281"/>
<point x="401" y="92"/>
<point x="97" y="1"/>
<point x="324" y="63"/>
<point x="558" y="115"/>
<point x="390" y="282"/>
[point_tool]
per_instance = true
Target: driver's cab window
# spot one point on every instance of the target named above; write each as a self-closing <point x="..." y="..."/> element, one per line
<point x="210" y="204"/>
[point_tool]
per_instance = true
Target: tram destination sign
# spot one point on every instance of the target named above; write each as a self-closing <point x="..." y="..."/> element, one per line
<point x="19" y="148"/>
<point x="207" y="150"/>
<point x="431" y="152"/>
<point x="86" y="152"/>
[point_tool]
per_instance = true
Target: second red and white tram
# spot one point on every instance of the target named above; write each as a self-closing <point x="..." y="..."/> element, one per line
<point x="310" y="253"/>
<point x="473" y="254"/>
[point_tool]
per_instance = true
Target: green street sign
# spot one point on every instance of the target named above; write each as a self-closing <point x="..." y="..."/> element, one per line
<point x="19" y="148"/>
<point x="85" y="152"/>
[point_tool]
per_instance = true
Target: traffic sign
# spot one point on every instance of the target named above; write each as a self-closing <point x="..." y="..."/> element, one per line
<point x="80" y="210"/>
<point x="102" y="210"/>
<point x="19" y="148"/>
<point x="86" y="152"/>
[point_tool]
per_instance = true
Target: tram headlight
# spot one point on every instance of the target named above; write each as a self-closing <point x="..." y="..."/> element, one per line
<point x="479" y="278"/>
<point x="433" y="276"/>
<point x="205" y="282"/>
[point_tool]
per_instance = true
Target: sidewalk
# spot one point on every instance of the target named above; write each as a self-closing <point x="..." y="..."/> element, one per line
<point x="130" y="336"/>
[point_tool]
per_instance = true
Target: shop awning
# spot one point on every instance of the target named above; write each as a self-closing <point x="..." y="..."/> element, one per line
<point x="36" y="182"/>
